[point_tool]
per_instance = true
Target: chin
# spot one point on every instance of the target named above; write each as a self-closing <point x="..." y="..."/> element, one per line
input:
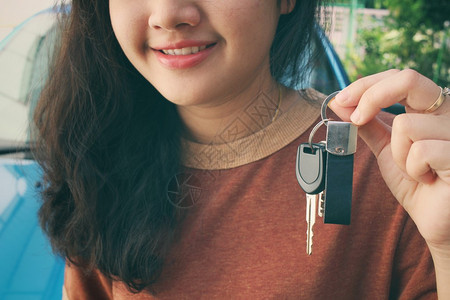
<point x="181" y="98"/>
<point x="187" y="94"/>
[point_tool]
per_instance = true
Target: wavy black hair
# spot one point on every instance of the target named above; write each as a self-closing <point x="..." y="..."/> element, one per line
<point x="109" y="143"/>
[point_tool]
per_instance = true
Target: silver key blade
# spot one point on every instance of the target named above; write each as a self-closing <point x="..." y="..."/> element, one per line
<point x="321" y="204"/>
<point x="311" y="202"/>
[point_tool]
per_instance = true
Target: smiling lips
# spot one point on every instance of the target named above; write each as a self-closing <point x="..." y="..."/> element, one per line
<point x="183" y="55"/>
<point x="184" y="51"/>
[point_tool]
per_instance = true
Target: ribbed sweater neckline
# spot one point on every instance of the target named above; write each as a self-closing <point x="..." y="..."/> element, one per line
<point x="289" y="125"/>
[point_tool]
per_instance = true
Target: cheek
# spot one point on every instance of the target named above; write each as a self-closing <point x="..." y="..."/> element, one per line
<point x="129" y="26"/>
<point x="252" y="19"/>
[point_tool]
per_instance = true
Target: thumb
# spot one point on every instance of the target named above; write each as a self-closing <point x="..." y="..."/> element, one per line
<point x="376" y="134"/>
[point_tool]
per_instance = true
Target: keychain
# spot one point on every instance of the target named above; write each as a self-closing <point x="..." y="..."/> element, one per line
<point x="325" y="172"/>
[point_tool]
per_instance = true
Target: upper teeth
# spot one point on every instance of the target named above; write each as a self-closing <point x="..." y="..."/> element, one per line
<point x="184" y="51"/>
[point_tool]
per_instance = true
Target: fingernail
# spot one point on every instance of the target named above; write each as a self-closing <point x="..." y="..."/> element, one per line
<point x="342" y="97"/>
<point x="355" y="117"/>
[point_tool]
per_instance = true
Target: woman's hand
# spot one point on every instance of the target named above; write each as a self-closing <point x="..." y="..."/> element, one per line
<point x="413" y="155"/>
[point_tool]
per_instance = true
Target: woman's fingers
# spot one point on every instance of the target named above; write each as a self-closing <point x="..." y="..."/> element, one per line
<point x="425" y="161"/>
<point x="373" y="93"/>
<point x="347" y="100"/>
<point x="412" y="134"/>
<point x="408" y="139"/>
<point x="376" y="134"/>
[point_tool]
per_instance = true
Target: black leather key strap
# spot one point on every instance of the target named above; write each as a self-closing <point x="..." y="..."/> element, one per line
<point x="338" y="189"/>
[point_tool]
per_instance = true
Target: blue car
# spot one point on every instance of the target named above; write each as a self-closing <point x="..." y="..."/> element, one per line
<point x="28" y="268"/>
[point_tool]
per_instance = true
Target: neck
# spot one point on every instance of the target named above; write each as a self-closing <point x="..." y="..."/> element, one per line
<point x="246" y="112"/>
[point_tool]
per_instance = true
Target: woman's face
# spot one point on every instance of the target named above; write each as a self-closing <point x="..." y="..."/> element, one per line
<point x="198" y="51"/>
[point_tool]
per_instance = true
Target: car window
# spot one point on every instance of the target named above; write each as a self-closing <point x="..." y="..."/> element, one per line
<point x="326" y="74"/>
<point x="323" y="76"/>
<point x="24" y="57"/>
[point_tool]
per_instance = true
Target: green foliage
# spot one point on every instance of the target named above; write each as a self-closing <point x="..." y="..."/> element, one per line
<point x="413" y="36"/>
<point x="365" y="3"/>
<point x="414" y="13"/>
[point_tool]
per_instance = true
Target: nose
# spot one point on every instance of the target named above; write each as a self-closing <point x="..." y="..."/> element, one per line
<point x="172" y="15"/>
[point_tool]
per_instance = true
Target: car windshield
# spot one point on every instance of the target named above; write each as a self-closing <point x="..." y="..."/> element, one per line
<point x="24" y="58"/>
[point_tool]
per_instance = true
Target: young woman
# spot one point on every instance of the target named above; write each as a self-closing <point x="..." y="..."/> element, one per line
<point x="169" y="143"/>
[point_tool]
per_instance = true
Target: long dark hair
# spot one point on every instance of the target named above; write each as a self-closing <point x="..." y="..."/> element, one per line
<point x="109" y="143"/>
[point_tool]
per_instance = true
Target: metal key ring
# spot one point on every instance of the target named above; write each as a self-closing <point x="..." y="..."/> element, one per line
<point x="323" y="112"/>
<point x="313" y="131"/>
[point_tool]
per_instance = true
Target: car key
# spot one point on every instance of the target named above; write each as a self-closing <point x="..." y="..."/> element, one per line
<point x="310" y="171"/>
